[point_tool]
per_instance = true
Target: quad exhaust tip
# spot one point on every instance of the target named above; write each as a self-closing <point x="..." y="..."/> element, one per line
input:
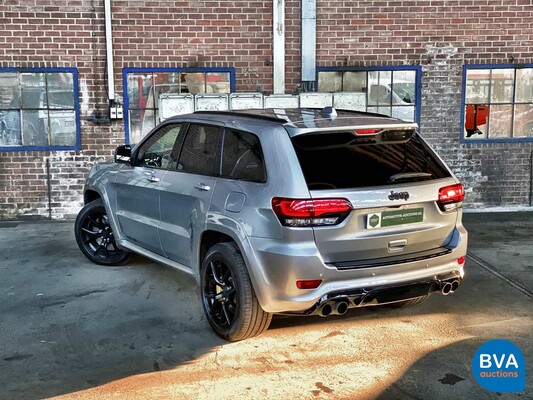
<point x="334" y="308"/>
<point x="449" y="287"/>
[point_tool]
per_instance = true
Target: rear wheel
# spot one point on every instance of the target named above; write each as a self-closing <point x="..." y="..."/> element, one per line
<point x="95" y="237"/>
<point x="228" y="298"/>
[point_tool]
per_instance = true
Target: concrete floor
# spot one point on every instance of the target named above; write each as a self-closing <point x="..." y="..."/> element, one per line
<point x="76" y="330"/>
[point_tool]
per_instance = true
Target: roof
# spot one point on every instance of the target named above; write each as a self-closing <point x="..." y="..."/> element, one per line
<point x="304" y="120"/>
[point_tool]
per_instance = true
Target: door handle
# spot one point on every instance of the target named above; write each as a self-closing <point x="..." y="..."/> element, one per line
<point x="150" y="176"/>
<point x="202" y="187"/>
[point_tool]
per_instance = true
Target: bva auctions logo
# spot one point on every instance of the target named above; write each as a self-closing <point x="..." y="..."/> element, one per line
<point x="499" y="366"/>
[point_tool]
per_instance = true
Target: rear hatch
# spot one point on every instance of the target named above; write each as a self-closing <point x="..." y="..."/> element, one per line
<point x="404" y="200"/>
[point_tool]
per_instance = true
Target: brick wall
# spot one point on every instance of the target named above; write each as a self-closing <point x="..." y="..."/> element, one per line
<point x="440" y="35"/>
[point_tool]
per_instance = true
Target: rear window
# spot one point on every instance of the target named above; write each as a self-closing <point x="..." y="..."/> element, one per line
<point x="341" y="160"/>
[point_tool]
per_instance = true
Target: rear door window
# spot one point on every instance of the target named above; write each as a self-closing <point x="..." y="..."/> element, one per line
<point x="242" y="157"/>
<point x="341" y="160"/>
<point x="200" y="149"/>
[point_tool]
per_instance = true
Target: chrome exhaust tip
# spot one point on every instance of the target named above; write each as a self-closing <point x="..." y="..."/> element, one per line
<point x="446" y="288"/>
<point x="340" y="307"/>
<point x="326" y="310"/>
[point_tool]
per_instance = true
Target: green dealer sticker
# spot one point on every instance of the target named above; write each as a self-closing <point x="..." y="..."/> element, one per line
<point x="393" y="218"/>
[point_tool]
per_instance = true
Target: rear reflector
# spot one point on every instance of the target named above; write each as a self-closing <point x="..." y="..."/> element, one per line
<point x="311" y="212"/>
<point x="367" y="131"/>
<point x="461" y="260"/>
<point x="308" y="284"/>
<point x="450" y="197"/>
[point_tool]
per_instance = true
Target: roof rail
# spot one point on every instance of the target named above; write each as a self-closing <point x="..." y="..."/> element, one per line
<point x="244" y="113"/>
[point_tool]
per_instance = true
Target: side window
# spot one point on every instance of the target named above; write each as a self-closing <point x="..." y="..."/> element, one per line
<point x="242" y="157"/>
<point x="160" y="150"/>
<point x="199" y="154"/>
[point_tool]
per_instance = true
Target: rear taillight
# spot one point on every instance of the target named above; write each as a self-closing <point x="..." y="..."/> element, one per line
<point x="311" y="212"/>
<point x="451" y="197"/>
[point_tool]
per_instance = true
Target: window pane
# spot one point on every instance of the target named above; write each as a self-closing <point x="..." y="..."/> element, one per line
<point x="134" y="89"/>
<point x="195" y="82"/>
<point x="407" y="113"/>
<point x="218" y="82"/>
<point x="502" y="81"/>
<point x="500" y="120"/>
<point x="524" y="85"/>
<point x="135" y="125"/>
<point x="199" y="150"/>
<point x="9" y="90"/>
<point x="140" y="88"/>
<point x="523" y="120"/>
<point x="166" y="83"/>
<point x="33" y="90"/>
<point x="330" y="81"/>
<point x="159" y="150"/>
<point x="385" y="111"/>
<point x="34" y="132"/>
<point x="403" y="87"/>
<point x="477" y="86"/>
<point x="60" y="80"/>
<point x="476" y="117"/>
<point x="58" y="98"/>
<point x="243" y="158"/>
<point x="148" y="121"/>
<point x="62" y="128"/>
<point x="354" y="81"/>
<point x="10" y="134"/>
<point x="379" y="88"/>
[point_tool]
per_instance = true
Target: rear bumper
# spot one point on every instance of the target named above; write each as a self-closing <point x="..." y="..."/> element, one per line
<point x="275" y="267"/>
<point x="338" y="302"/>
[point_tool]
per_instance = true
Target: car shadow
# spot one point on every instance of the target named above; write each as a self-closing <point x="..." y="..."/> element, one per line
<point x="69" y="325"/>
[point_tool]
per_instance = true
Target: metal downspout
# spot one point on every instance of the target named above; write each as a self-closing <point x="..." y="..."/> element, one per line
<point x="278" y="46"/>
<point x="308" y="45"/>
<point x="109" y="52"/>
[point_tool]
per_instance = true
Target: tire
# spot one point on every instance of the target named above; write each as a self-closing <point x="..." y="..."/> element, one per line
<point x="228" y="298"/>
<point x="95" y="237"/>
<point x="407" y="303"/>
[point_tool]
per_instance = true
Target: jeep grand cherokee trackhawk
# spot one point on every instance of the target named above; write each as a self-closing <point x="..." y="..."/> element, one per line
<point x="292" y="211"/>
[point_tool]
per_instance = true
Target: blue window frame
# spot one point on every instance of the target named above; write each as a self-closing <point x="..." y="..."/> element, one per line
<point x="143" y="86"/>
<point x="497" y="103"/>
<point x="39" y="109"/>
<point x="394" y="90"/>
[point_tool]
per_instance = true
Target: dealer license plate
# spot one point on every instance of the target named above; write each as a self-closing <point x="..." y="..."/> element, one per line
<point x="392" y="218"/>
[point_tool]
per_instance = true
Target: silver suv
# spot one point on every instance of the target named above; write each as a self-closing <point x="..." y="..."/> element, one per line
<point x="282" y="211"/>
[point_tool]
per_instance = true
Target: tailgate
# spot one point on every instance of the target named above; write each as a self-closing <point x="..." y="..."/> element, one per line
<point x="387" y="223"/>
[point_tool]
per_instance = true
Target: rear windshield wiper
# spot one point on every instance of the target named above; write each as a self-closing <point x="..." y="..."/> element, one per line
<point x="408" y="175"/>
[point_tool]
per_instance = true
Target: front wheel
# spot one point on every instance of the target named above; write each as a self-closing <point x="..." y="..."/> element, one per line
<point x="95" y="237"/>
<point x="228" y="298"/>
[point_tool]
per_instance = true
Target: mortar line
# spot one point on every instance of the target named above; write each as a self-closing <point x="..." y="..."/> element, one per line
<point x="493" y="271"/>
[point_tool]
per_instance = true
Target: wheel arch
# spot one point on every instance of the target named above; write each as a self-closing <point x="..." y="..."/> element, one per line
<point x="209" y="239"/>
<point x="90" y="195"/>
<point x="221" y="234"/>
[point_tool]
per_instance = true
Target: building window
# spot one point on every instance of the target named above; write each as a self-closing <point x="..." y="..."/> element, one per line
<point x="497" y="103"/>
<point x="39" y="109"/>
<point x="393" y="91"/>
<point x="144" y="88"/>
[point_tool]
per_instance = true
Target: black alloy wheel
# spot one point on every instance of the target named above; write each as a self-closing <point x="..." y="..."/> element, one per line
<point x="228" y="298"/>
<point x="220" y="297"/>
<point x="95" y="237"/>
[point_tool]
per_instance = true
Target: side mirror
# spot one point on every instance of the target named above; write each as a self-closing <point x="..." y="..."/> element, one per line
<point x="123" y="154"/>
